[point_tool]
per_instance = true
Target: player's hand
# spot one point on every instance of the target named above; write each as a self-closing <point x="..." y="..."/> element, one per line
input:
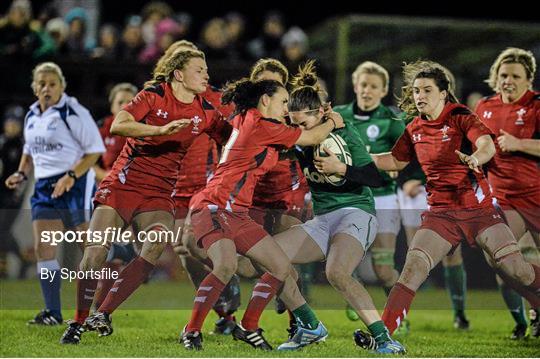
<point x="412" y="187"/>
<point x="507" y="142"/>
<point x="329" y="165"/>
<point x="63" y="185"/>
<point x="13" y="181"/>
<point x="470" y="161"/>
<point x="333" y="116"/>
<point x="174" y="127"/>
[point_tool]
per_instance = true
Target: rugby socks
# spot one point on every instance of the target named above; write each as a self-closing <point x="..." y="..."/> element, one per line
<point x="129" y="280"/>
<point x="104" y="285"/>
<point x="263" y="292"/>
<point x="49" y="278"/>
<point x="456" y="282"/>
<point x="306" y="317"/>
<point x="207" y="295"/>
<point x="515" y="304"/>
<point x="397" y="306"/>
<point x="379" y="332"/>
<point x="86" y="289"/>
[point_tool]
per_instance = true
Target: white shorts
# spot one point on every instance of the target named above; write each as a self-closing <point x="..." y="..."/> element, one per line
<point x="411" y="208"/>
<point x="352" y="221"/>
<point x="387" y="208"/>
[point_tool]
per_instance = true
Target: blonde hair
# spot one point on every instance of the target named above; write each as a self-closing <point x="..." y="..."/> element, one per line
<point x="177" y="61"/>
<point x="512" y="55"/>
<point x="371" y="68"/>
<point x="123" y="86"/>
<point x="50" y="67"/>
<point x="271" y="65"/>
<point x="158" y="69"/>
<point x="443" y="78"/>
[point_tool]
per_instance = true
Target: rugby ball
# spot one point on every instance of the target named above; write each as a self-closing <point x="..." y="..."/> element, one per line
<point x="338" y="146"/>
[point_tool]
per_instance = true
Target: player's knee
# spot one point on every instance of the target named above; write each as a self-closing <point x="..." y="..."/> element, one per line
<point x="225" y="270"/>
<point x="417" y="265"/>
<point x="531" y="254"/>
<point x="515" y="267"/>
<point x="338" y="277"/>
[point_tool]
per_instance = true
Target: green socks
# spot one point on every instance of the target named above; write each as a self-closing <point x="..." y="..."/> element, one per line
<point x="515" y="304"/>
<point x="456" y="283"/>
<point x="379" y="332"/>
<point x="306" y="317"/>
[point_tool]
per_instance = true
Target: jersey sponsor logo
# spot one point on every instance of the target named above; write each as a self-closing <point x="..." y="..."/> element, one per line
<point x="196" y="121"/>
<point x="52" y="126"/>
<point x="314" y="176"/>
<point x="520" y="114"/>
<point x="373" y="132"/>
<point x="161" y="113"/>
<point x="487" y="114"/>
<point x="444" y="131"/>
<point x="416" y="137"/>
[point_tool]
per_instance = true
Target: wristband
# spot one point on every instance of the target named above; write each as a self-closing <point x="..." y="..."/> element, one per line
<point x="72" y="174"/>
<point x="22" y="174"/>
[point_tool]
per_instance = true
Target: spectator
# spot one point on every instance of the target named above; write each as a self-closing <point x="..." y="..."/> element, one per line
<point x="268" y="43"/>
<point x="214" y="40"/>
<point x="167" y="32"/>
<point x="108" y="43"/>
<point x="153" y="13"/>
<point x="295" y="47"/>
<point x="183" y="19"/>
<point x="17" y="40"/>
<point x="58" y="31"/>
<point x="131" y="45"/>
<point x="236" y="26"/>
<point x="76" y="19"/>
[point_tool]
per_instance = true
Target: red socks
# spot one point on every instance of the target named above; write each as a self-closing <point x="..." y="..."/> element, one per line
<point x="263" y="292"/>
<point x="129" y="280"/>
<point x="397" y="306"/>
<point x="86" y="289"/>
<point x="207" y="295"/>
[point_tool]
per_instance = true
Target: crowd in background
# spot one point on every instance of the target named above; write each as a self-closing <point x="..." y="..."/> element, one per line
<point x="143" y="37"/>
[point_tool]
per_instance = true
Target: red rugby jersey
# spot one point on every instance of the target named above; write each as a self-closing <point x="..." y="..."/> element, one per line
<point x="200" y="161"/>
<point x="113" y="143"/>
<point x="450" y="183"/>
<point x="513" y="173"/>
<point x="153" y="162"/>
<point x="252" y="150"/>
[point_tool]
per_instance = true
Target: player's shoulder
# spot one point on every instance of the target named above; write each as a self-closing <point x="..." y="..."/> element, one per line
<point x="488" y="100"/>
<point x="346" y="109"/>
<point x="461" y="110"/>
<point x="156" y="89"/>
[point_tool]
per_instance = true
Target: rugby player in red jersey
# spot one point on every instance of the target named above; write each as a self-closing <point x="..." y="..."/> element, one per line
<point x="119" y="96"/>
<point x="219" y="213"/>
<point x="459" y="197"/>
<point x="513" y="115"/>
<point x="162" y="121"/>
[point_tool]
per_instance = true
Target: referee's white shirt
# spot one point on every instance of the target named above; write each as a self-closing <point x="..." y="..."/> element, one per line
<point x="59" y="137"/>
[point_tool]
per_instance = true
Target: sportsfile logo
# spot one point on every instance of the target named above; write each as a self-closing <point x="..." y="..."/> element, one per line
<point x="110" y="235"/>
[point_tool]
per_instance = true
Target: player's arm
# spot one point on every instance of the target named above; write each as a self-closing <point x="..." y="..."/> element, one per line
<point x="366" y="174"/>
<point x="387" y="162"/>
<point x="124" y="124"/>
<point x="485" y="150"/>
<point x="319" y="133"/>
<point x="24" y="169"/>
<point x="509" y="143"/>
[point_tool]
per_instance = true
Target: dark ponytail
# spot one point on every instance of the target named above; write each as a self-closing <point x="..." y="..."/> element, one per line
<point x="245" y="94"/>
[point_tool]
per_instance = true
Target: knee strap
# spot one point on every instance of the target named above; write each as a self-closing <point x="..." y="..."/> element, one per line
<point x="505" y="251"/>
<point x="422" y="255"/>
<point x="383" y="256"/>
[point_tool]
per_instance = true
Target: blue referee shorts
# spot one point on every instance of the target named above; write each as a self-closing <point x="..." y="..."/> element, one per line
<point x="73" y="207"/>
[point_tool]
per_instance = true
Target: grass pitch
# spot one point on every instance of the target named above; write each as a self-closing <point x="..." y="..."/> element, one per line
<point x="148" y="324"/>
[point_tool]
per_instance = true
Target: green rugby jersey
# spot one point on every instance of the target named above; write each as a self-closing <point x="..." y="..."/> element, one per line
<point x="327" y="197"/>
<point x="379" y="130"/>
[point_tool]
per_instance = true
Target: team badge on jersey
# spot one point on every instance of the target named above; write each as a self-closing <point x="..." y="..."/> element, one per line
<point x="373" y="132"/>
<point x="196" y="121"/>
<point x="520" y="114"/>
<point x="444" y="131"/>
